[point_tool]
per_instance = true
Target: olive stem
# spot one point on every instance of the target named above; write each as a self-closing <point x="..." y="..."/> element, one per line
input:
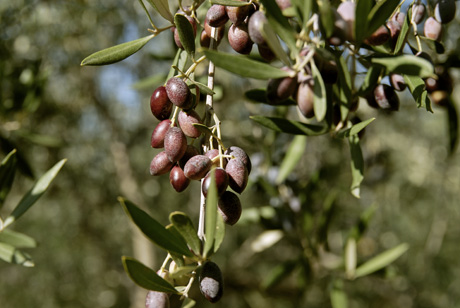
<point x="189" y="286"/>
<point x="148" y="15"/>
<point x="168" y="257"/>
<point x="173" y="119"/>
<point x="414" y="25"/>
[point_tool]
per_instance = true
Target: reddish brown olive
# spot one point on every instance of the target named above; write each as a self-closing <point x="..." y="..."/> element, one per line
<point x="186" y="120"/>
<point x="175" y="144"/>
<point x="238" y="38"/>
<point x="177" y="179"/>
<point x="237" y="175"/>
<point x="160" y="164"/>
<point x="160" y="105"/>
<point x="179" y="93"/>
<point x="220" y="180"/>
<point x="158" y="135"/>
<point x="229" y="206"/>
<point x="216" y="15"/>
<point x="197" y="167"/>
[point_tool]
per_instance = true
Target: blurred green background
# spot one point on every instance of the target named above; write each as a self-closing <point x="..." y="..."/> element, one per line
<point x="51" y="108"/>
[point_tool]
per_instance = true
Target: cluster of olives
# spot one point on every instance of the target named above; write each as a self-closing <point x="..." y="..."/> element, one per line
<point x="183" y="161"/>
<point x="209" y="279"/>
<point x="439" y="88"/>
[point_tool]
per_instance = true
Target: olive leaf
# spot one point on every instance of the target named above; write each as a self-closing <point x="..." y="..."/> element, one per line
<point x="162" y="7"/>
<point x="290" y="127"/>
<point x="186" y="35"/>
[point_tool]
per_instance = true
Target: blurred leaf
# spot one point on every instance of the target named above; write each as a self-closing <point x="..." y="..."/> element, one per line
<point x="184" y="225"/>
<point x="339" y="298"/>
<point x="266" y="240"/>
<point x="39" y="139"/>
<point x="357" y="165"/>
<point x="116" y="53"/>
<point x="402" y="38"/>
<point x="416" y="86"/>
<point x="344" y="87"/>
<point x="327" y="17"/>
<point x="172" y="71"/>
<point x="280" y="25"/>
<point x="320" y="100"/>
<point x="260" y="96"/>
<point x="274" y="43"/>
<point x="362" y="224"/>
<point x="363" y="8"/>
<point x="149" y="82"/>
<point x="188" y="303"/>
<point x="244" y="66"/>
<point x="16" y="239"/>
<point x="162" y="7"/>
<point x="355" y="129"/>
<point x="434" y="45"/>
<point x="371" y="80"/>
<point x="230" y="2"/>
<point x="350" y="257"/>
<point x="382" y="260"/>
<point x="379" y="14"/>
<point x="453" y="126"/>
<point x="292" y="157"/>
<point x="10" y="254"/>
<point x="290" y="127"/>
<point x="407" y="65"/>
<point x="22" y="164"/>
<point x="277" y="274"/>
<point x="211" y="216"/>
<point x="304" y="8"/>
<point x="7" y="172"/>
<point x="220" y="232"/>
<point x="181" y="270"/>
<point x="186" y="35"/>
<point x="35" y="193"/>
<point x="146" y="277"/>
<point x="154" y="230"/>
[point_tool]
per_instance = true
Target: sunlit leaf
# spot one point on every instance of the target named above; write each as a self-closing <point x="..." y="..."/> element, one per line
<point x="319" y="90"/>
<point x="382" y="260"/>
<point x="244" y="66"/>
<point x="350" y="257"/>
<point x="292" y="157"/>
<point x="357" y="165"/>
<point x="211" y="216"/>
<point x="290" y="127"/>
<point x="7" y="172"/>
<point x="402" y="37"/>
<point x="220" y="232"/>
<point x="162" y="7"/>
<point x="339" y="298"/>
<point x="344" y="87"/>
<point x="407" y="65"/>
<point x="10" y="254"/>
<point x="417" y="88"/>
<point x="186" y="35"/>
<point x="116" y="53"/>
<point x="35" y="193"/>
<point x="371" y="80"/>
<point x="266" y="240"/>
<point x="16" y="239"/>
<point x="156" y="232"/>
<point x="203" y="88"/>
<point x="355" y="129"/>
<point x="185" y="227"/>
<point x="145" y="277"/>
<point x="274" y="43"/>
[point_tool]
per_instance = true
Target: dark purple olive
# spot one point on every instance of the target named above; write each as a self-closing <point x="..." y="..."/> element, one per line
<point x="211" y="283"/>
<point x="157" y="299"/>
<point x="400" y="17"/>
<point x="379" y="37"/>
<point x="229" y="206"/>
<point x="189" y="153"/>
<point x="175" y="144"/>
<point x="158" y="135"/>
<point x="281" y="89"/>
<point x="304" y="98"/>
<point x="237" y="175"/>
<point x="395" y="30"/>
<point x="179" y="93"/>
<point x="216" y="15"/>
<point x="197" y="167"/>
<point x="386" y="97"/>
<point x="239" y="153"/>
<point x="397" y="82"/>
<point x="214" y="153"/>
<point x="239" y="40"/>
<point x="237" y="14"/>
<point x="160" y="105"/>
<point x="178" y="179"/>
<point x="266" y="53"/>
<point x="445" y="10"/>
<point x="221" y="181"/>
<point x="160" y="164"/>
<point x="186" y="120"/>
<point x="255" y="26"/>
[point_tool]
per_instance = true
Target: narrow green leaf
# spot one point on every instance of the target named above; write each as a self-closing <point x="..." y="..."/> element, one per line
<point x="180" y="53"/>
<point x="402" y="38"/>
<point x="417" y="88"/>
<point x="290" y="127"/>
<point x="344" y="87"/>
<point x="274" y="43"/>
<point x="363" y="8"/>
<point x="186" y="35"/>
<point x="7" y="172"/>
<point x="355" y="129"/>
<point x="220" y="233"/>
<point x="145" y="277"/>
<point x="339" y="298"/>
<point x="156" y="232"/>
<point x="433" y="44"/>
<point x="16" y="239"/>
<point x="229" y="2"/>
<point x="162" y="7"/>
<point x="350" y="257"/>
<point x="280" y="25"/>
<point x="203" y="88"/>
<point x="203" y="128"/>
<point x="327" y="17"/>
<point x="277" y="274"/>
<point x="382" y="260"/>
<point x="371" y="79"/>
<point x="35" y="193"/>
<point x="453" y="126"/>
<point x="407" y="65"/>
<point x="244" y="66"/>
<point x="10" y="254"/>
<point x="357" y="165"/>
<point x="319" y="90"/>
<point x="188" y="303"/>
<point x="211" y="216"/>
<point x="116" y="53"/>
<point x="182" y="270"/>
<point x="379" y="14"/>
<point x="260" y="96"/>
<point x="293" y="155"/>
<point x="184" y="225"/>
